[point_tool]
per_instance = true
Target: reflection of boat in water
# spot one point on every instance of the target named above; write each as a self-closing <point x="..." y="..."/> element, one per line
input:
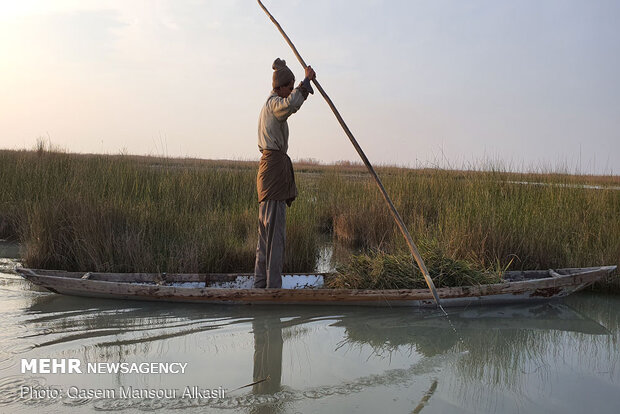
<point x="518" y="286"/>
<point x="68" y="318"/>
<point x="537" y="316"/>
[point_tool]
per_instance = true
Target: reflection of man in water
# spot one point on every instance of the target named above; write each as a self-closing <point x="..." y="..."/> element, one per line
<point x="267" y="354"/>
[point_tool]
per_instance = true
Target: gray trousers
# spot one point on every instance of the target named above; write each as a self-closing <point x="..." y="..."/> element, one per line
<point x="271" y="242"/>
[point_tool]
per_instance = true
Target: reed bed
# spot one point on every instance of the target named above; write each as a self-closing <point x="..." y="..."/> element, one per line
<point x="128" y="213"/>
<point x="124" y="214"/>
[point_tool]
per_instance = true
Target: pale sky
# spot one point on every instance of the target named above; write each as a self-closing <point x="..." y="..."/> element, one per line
<point x="524" y="84"/>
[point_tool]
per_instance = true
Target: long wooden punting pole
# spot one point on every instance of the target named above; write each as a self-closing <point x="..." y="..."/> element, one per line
<point x="399" y="220"/>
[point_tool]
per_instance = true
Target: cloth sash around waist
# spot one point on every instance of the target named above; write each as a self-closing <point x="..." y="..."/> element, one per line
<point x="276" y="179"/>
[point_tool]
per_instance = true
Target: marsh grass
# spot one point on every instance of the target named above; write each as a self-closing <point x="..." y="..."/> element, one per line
<point x="132" y="213"/>
<point x="484" y="218"/>
<point x="123" y="213"/>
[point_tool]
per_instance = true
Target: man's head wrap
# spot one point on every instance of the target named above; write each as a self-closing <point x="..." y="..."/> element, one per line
<point x="282" y="75"/>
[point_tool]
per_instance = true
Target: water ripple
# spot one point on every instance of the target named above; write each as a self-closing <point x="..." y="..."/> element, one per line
<point x="10" y="389"/>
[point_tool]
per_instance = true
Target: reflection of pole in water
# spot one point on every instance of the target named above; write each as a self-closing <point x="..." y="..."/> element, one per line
<point x="426" y="397"/>
<point x="267" y="355"/>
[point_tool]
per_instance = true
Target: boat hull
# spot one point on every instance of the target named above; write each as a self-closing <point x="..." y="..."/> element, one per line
<point x="174" y="288"/>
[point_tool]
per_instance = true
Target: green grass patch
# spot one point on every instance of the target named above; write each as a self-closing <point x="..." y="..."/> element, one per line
<point x="380" y="270"/>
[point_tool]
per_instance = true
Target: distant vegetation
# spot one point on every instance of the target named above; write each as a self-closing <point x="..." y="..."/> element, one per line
<point x="128" y="213"/>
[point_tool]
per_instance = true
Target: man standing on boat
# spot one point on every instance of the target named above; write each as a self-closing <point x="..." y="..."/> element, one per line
<point x="275" y="181"/>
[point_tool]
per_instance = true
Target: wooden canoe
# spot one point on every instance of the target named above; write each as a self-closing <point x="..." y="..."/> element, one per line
<point x="307" y="289"/>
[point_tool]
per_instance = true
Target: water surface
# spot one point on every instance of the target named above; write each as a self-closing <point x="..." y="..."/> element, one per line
<point x="559" y="357"/>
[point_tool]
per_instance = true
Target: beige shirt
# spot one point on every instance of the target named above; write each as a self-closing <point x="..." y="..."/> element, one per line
<point x="272" y="126"/>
